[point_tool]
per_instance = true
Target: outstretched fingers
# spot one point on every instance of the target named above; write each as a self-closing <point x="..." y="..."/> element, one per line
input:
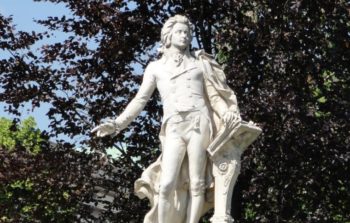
<point x="95" y="129"/>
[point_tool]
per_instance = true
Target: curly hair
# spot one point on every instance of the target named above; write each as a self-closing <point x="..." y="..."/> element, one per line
<point x="167" y="28"/>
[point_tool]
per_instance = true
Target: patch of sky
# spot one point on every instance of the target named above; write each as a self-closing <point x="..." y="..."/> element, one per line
<point x="130" y="6"/>
<point x="112" y="152"/>
<point x="24" y="12"/>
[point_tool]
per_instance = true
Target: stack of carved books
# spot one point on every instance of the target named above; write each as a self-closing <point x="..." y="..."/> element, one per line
<point x="243" y="133"/>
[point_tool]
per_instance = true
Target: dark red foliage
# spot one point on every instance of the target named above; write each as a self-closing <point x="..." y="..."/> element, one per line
<point x="288" y="62"/>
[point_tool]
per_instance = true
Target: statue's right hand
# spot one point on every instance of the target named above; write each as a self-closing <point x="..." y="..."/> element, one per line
<point x="108" y="128"/>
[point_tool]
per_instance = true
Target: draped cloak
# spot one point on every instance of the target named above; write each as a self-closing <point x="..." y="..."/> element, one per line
<point x="148" y="184"/>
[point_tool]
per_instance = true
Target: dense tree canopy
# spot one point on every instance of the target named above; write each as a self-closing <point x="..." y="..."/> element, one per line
<point x="286" y="60"/>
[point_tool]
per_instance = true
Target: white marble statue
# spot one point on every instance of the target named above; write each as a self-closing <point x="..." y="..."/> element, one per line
<point x="202" y="135"/>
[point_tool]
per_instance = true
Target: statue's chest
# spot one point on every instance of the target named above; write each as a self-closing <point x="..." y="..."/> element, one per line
<point x="180" y="79"/>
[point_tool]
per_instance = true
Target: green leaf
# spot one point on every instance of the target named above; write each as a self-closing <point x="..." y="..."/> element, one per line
<point x="322" y="100"/>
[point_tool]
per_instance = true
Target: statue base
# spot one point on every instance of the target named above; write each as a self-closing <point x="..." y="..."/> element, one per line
<point x="222" y="219"/>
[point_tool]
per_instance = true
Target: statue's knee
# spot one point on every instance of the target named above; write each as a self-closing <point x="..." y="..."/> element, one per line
<point x="197" y="187"/>
<point x="165" y="189"/>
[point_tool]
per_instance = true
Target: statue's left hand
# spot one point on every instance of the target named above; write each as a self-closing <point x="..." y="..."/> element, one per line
<point x="231" y="117"/>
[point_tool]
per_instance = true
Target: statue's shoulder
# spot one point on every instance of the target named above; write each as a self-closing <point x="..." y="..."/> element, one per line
<point x="206" y="58"/>
<point x="202" y="55"/>
<point x="154" y="64"/>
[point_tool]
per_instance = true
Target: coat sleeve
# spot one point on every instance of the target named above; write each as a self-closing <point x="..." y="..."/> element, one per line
<point x="216" y="102"/>
<point x="137" y="104"/>
<point x="222" y="98"/>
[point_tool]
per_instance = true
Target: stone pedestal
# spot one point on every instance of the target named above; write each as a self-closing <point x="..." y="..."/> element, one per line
<point x="226" y="156"/>
<point x="226" y="169"/>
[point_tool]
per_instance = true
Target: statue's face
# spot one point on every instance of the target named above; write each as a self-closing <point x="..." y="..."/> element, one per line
<point x="180" y="36"/>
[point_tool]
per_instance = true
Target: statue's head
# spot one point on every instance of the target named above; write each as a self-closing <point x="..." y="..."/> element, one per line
<point x="168" y="29"/>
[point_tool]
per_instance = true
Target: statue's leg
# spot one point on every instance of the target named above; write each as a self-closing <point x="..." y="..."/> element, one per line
<point x="196" y="150"/>
<point x="174" y="151"/>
